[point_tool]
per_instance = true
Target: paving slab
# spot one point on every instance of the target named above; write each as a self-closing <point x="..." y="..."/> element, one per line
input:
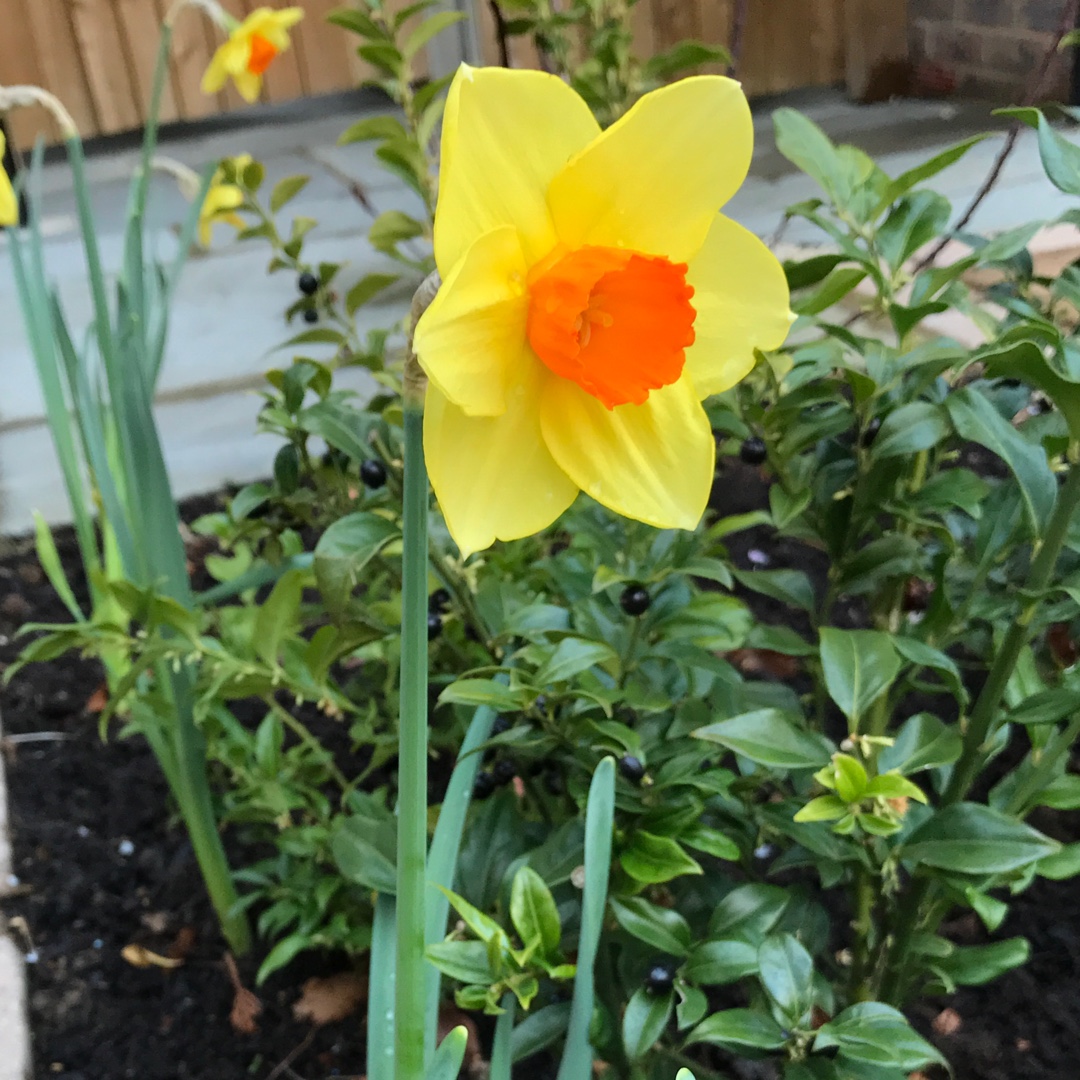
<point x="14" y="1030"/>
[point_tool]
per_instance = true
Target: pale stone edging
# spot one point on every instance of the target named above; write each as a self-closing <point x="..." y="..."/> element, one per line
<point x="14" y="1029"/>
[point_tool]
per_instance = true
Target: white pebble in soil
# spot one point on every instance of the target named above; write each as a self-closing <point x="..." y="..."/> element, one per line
<point x="126" y="848"/>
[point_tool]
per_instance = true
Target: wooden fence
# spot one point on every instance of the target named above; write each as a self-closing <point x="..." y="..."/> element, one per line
<point x="97" y="55"/>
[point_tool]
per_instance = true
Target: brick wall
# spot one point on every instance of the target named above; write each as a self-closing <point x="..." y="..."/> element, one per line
<point x="986" y="48"/>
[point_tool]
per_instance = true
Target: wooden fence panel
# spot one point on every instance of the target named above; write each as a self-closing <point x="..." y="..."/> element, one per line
<point x="98" y="55"/>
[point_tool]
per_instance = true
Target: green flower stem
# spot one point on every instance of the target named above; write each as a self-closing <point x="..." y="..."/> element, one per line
<point x="912" y="906"/>
<point x="192" y="791"/>
<point x="412" y="757"/>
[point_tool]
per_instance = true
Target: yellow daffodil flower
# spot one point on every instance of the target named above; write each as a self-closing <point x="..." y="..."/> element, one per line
<point x="9" y="205"/>
<point x="221" y="202"/>
<point x="592" y="297"/>
<point x="249" y="51"/>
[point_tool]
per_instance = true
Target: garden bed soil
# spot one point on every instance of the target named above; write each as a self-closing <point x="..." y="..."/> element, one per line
<point x="99" y="865"/>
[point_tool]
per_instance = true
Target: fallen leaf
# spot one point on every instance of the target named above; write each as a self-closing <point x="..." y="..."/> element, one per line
<point x="246" y="1006"/>
<point x="1062" y="647"/>
<point x="96" y="702"/>
<point x="183" y="943"/>
<point x="141" y="957"/>
<point x="764" y="662"/>
<point x="330" y="999"/>
<point x="947" y="1022"/>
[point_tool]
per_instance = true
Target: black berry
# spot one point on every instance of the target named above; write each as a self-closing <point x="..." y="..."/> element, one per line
<point x="439" y="600"/>
<point x="434" y="625"/>
<point x="500" y="725"/>
<point x="484" y="785"/>
<point x="635" y="600"/>
<point x="870" y="432"/>
<point x="660" y="979"/>
<point x="753" y="451"/>
<point x="309" y="283"/>
<point x="373" y="473"/>
<point x="311" y="315"/>
<point x="504" y="770"/>
<point x="336" y="459"/>
<point x="632" y="768"/>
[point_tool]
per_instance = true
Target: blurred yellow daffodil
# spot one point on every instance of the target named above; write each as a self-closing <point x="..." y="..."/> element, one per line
<point x="221" y="202"/>
<point x="592" y="297"/>
<point x="249" y="51"/>
<point x="9" y="205"/>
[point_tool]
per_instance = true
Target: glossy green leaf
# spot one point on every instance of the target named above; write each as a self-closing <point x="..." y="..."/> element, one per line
<point x="918" y="425"/>
<point x="859" y="666"/>
<point x="923" y="742"/>
<point x="768" y="737"/>
<point x="344" y="550"/>
<point x="662" y="928"/>
<point x="652" y="859"/>
<point x="717" y="963"/>
<point x="739" y="1030"/>
<point x="976" y="419"/>
<point x="644" y="1021"/>
<point x="968" y="838"/>
<point x="786" y="971"/>
<point x="533" y="911"/>
<point x="876" y="1034"/>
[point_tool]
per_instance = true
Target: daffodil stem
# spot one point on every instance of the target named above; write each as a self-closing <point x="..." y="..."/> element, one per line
<point x="409" y="1040"/>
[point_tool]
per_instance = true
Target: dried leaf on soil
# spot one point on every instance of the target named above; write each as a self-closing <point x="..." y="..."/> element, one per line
<point x="764" y="662"/>
<point x="330" y="999"/>
<point x="141" y="957"/>
<point x="947" y="1022"/>
<point x="246" y="1006"/>
<point x="96" y="702"/>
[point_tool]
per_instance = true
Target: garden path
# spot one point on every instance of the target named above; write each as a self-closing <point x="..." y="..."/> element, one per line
<point x="227" y="318"/>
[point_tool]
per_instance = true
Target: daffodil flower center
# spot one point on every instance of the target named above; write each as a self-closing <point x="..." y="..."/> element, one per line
<point x="616" y="322"/>
<point x="263" y="51"/>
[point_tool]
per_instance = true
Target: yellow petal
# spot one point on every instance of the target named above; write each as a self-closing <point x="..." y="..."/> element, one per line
<point x="222" y="197"/>
<point x="273" y="25"/>
<point x="656" y="178"/>
<point x="9" y="205"/>
<point x="217" y="71"/>
<point x="493" y="476"/>
<point x="652" y="462"/>
<point x="742" y="303"/>
<point x="506" y="134"/>
<point x="206" y="231"/>
<point x="248" y="85"/>
<point x="474" y="333"/>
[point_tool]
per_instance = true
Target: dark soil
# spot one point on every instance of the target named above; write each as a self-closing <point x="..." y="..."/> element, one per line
<point x="99" y="865"/>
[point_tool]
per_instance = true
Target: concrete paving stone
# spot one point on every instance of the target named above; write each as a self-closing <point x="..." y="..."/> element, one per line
<point x="208" y="442"/>
<point x="14" y="1033"/>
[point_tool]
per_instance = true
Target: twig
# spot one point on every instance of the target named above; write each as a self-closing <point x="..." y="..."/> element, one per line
<point x="501" y="36"/>
<point x="286" y="1063"/>
<point x="1067" y="22"/>
<point x="738" y="35"/>
<point x="352" y="186"/>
